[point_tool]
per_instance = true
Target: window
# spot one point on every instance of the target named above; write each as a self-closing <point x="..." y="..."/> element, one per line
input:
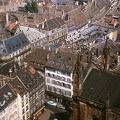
<point x="49" y="87"/>
<point x="63" y="84"/>
<point x="23" y="111"/>
<point x="68" y="93"/>
<point x="26" y="107"/>
<point x="57" y="90"/>
<point x="23" y="117"/>
<point x="48" y="80"/>
<point x="53" y="81"/>
<point x="68" y="86"/>
<point x="63" y="78"/>
<point x="31" y="111"/>
<point x="54" y="89"/>
<point x="22" y="104"/>
<point x="68" y="80"/>
<point x="27" y="114"/>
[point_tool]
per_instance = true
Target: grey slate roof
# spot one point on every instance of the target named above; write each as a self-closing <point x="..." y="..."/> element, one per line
<point x="98" y="84"/>
<point x="32" y="34"/>
<point x="6" y="96"/>
<point x="62" y="61"/>
<point x="13" y="44"/>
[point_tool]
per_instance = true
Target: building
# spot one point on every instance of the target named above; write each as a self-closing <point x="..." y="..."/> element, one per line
<point x="38" y="59"/>
<point x="30" y="88"/>
<point x="14" y="47"/>
<point x="22" y="98"/>
<point x="99" y="98"/>
<point x="35" y="37"/>
<point x="2" y="18"/>
<point x="59" y="76"/>
<point x="55" y="29"/>
<point x="8" y="103"/>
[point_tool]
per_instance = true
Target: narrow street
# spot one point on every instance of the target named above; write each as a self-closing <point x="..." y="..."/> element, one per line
<point x="52" y="113"/>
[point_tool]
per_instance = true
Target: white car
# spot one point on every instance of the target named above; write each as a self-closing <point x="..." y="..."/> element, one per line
<point x="60" y="106"/>
<point x="52" y="103"/>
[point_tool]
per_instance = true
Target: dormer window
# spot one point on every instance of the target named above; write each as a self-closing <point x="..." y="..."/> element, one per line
<point x="6" y="97"/>
<point x="10" y="94"/>
<point x="2" y="103"/>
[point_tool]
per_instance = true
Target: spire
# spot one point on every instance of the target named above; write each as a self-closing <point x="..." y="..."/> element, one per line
<point x="106" y="55"/>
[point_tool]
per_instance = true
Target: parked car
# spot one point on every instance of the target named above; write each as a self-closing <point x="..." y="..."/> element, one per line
<point x="52" y="103"/>
<point x="60" y="106"/>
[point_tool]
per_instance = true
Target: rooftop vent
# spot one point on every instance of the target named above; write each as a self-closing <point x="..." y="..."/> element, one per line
<point x="2" y="103"/>
<point x="6" y="97"/>
<point x="10" y="94"/>
<point x="20" y="88"/>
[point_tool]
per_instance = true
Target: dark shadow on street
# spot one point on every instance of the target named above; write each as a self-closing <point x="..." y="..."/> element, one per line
<point x="60" y="116"/>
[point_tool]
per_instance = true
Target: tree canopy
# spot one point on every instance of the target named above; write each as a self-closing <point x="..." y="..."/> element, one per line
<point x="31" y="7"/>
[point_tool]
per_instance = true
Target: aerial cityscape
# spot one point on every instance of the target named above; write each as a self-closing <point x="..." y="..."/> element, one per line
<point x="59" y="59"/>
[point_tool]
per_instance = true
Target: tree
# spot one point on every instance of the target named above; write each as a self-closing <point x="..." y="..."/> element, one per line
<point x="31" y="7"/>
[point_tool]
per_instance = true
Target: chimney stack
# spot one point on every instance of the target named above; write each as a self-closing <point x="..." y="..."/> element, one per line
<point x="25" y="64"/>
<point x="10" y="72"/>
<point x="118" y="59"/>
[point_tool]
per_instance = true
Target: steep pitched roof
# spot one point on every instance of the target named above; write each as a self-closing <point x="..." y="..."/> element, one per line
<point x="29" y="77"/>
<point x="4" y="69"/>
<point x="32" y="34"/>
<point x="18" y="86"/>
<point x="13" y="44"/>
<point x="98" y="84"/>
<point x="62" y="61"/>
<point x="53" y="23"/>
<point x="38" y="56"/>
<point x="6" y="96"/>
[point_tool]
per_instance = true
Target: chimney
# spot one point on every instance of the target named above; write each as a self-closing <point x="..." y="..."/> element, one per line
<point x="56" y="50"/>
<point x="10" y="72"/>
<point x="7" y="19"/>
<point x="48" y="55"/>
<point x="43" y="24"/>
<point x="56" y="6"/>
<point x="49" y="48"/>
<point x="16" y="22"/>
<point x="118" y="60"/>
<point x="25" y="64"/>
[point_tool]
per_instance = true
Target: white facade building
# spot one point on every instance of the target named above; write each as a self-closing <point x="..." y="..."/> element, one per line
<point x="59" y="75"/>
